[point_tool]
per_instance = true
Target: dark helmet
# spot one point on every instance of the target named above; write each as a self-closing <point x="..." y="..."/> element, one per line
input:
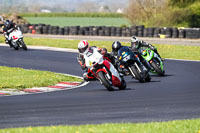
<point x="7" y="24"/>
<point x="134" y="42"/>
<point x="116" y="46"/>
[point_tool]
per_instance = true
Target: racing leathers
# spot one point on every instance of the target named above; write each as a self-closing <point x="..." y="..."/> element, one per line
<point x="118" y="65"/>
<point x="137" y="48"/>
<point x="7" y="31"/>
<point x="87" y="76"/>
<point x="140" y="44"/>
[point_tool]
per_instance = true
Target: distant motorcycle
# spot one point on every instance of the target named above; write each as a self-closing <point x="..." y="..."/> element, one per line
<point x="104" y="71"/>
<point x="131" y="62"/>
<point x="16" y="38"/>
<point x="154" y="60"/>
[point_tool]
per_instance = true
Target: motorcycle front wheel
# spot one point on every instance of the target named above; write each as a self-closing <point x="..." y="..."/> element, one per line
<point x="105" y="82"/>
<point x="23" y="45"/>
<point x="136" y="74"/>
<point x="157" y="69"/>
<point x="15" y="45"/>
<point x="123" y="84"/>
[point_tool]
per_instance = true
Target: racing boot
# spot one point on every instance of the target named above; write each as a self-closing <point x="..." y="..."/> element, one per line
<point x="87" y="77"/>
<point x="9" y="43"/>
<point x="6" y="41"/>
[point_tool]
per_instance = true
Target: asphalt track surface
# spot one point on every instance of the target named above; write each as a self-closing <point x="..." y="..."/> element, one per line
<point x="173" y="97"/>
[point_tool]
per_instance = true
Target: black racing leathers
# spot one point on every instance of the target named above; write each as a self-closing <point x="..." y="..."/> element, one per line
<point x="7" y="31"/>
<point x="144" y="44"/>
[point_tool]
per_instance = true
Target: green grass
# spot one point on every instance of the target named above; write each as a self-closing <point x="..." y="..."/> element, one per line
<point x="165" y="50"/>
<point x="80" y="21"/>
<point x="19" y="78"/>
<point x="180" y="126"/>
<point x="110" y="15"/>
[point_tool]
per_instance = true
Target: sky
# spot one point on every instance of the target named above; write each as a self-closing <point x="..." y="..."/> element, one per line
<point x="67" y="5"/>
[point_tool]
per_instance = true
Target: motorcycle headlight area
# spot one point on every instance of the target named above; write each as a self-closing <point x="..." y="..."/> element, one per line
<point x="144" y="53"/>
<point x="100" y="61"/>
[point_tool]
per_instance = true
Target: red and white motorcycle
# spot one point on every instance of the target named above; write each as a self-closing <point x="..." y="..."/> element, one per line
<point x="104" y="71"/>
<point x="16" y="38"/>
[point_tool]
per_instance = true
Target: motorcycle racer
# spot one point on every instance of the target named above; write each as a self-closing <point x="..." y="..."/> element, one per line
<point x="115" y="47"/>
<point x="136" y="44"/>
<point x="84" y="51"/>
<point x="8" y="27"/>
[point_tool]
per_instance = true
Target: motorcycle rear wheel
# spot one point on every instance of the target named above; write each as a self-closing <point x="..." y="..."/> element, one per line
<point x="104" y="81"/>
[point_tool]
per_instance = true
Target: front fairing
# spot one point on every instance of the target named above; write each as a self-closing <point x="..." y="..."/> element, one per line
<point x="93" y="58"/>
<point x="126" y="56"/>
<point x="15" y="35"/>
<point x="147" y="54"/>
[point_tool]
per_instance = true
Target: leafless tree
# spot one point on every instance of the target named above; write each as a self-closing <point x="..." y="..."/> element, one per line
<point x="142" y="10"/>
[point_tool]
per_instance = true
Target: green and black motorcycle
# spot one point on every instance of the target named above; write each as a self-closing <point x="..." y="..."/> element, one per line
<point x="154" y="60"/>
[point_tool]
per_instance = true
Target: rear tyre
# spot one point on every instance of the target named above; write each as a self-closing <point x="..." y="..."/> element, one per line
<point x="157" y="69"/>
<point x="104" y="80"/>
<point x="137" y="74"/>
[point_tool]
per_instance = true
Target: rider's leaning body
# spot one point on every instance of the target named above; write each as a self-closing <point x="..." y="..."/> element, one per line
<point x="84" y="52"/>
<point x="137" y="45"/>
<point x="8" y="27"/>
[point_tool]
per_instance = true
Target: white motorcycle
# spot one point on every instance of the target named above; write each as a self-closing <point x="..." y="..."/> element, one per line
<point x="104" y="71"/>
<point x="16" y="39"/>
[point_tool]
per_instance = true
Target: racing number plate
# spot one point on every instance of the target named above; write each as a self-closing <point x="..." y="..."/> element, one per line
<point x="126" y="58"/>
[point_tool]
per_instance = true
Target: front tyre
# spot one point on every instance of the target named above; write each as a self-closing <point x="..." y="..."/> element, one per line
<point x="148" y="78"/>
<point x="157" y="69"/>
<point x="23" y="45"/>
<point x="135" y="73"/>
<point x="15" y="45"/>
<point x="123" y="84"/>
<point x="105" y="82"/>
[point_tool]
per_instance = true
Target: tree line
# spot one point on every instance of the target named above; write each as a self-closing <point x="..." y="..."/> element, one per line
<point x="173" y="13"/>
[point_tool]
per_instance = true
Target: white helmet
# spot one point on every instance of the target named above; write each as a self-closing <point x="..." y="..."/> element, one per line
<point x="83" y="47"/>
<point x="134" y="42"/>
<point x="134" y="39"/>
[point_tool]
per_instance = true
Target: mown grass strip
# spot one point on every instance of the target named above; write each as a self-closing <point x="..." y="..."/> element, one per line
<point x="165" y="50"/>
<point x="110" y="15"/>
<point x="179" y="126"/>
<point x="19" y="78"/>
<point x="81" y="21"/>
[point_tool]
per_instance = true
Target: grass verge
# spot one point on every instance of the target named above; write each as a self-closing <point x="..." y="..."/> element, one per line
<point x="165" y="50"/>
<point x="19" y="78"/>
<point x="179" y="126"/>
<point x="81" y="21"/>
